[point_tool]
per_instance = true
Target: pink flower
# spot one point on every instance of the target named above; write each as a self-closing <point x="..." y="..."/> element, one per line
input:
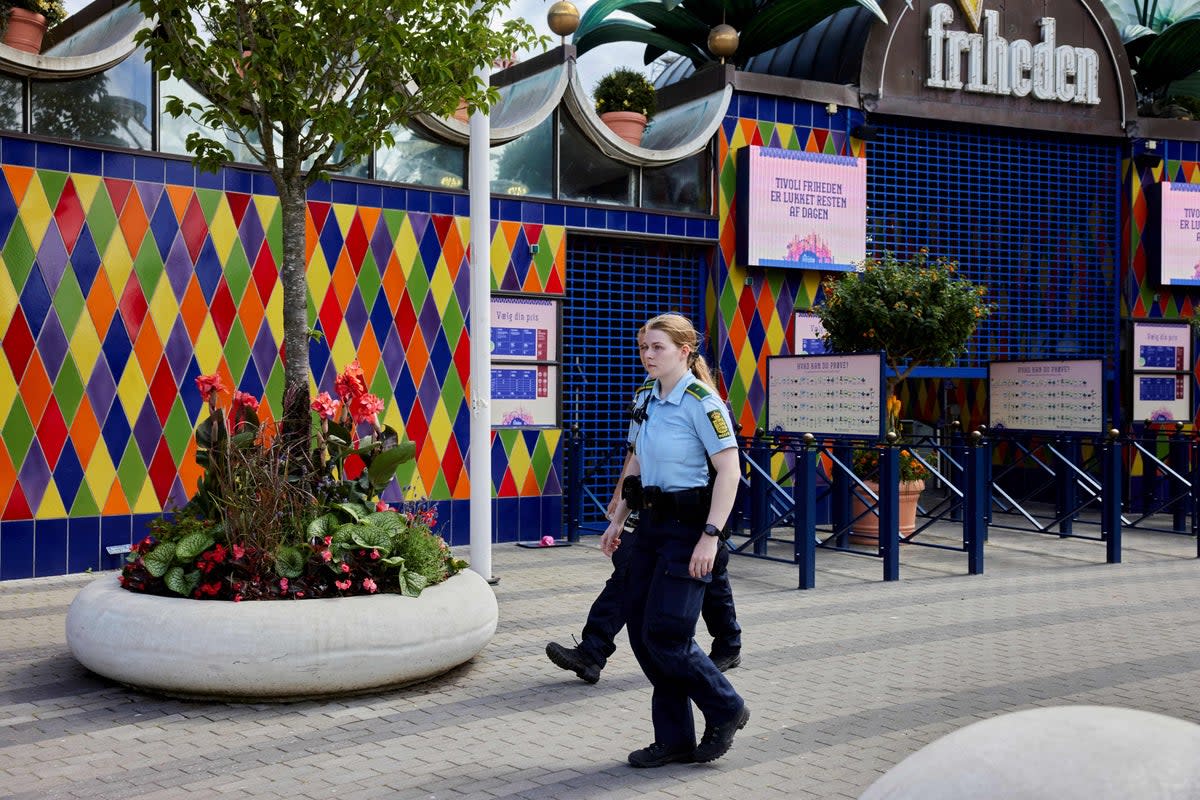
<point x="210" y="386"/>
<point x="325" y="406"/>
<point x="351" y="383"/>
<point x="238" y="551"/>
<point x="218" y="553"/>
<point x="244" y="400"/>
<point x="326" y="556"/>
<point x="283" y="584"/>
<point x="343" y="585"/>
<point x="328" y="541"/>
<point x="382" y="506"/>
<point x="374" y="554"/>
<point x="429" y="516"/>
<point x="547" y="541"/>
<point x="237" y="598"/>
<point x="365" y="407"/>
<point x="345" y="567"/>
<point x="369" y="585"/>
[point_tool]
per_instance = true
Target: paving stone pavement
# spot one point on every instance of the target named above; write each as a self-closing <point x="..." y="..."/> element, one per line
<point x="843" y="681"/>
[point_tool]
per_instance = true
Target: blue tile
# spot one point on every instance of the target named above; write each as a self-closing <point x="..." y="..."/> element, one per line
<point x="510" y="210"/>
<point x="455" y="522"/>
<point x="656" y="224"/>
<point x="320" y="191"/>
<point x="16" y="549"/>
<point x="504" y="511"/>
<point x="343" y="192"/>
<point x="83" y="544"/>
<point x="555" y="215"/>
<point x="495" y="208"/>
<point x="19" y="152"/>
<point x="418" y="200"/>
<point x="695" y="228"/>
<point x="576" y="217"/>
<point x="635" y="222"/>
<point x="462" y="205"/>
<point x="118" y="165"/>
<point x="766" y="109"/>
<point x="441" y="204"/>
<point x="676" y="226"/>
<point x="146" y="168"/>
<point x="179" y="173"/>
<point x="597" y="218"/>
<point x="53" y="156"/>
<point x="239" y="180"/>
<point x="394" y="197"/>
<point x="264" y="185"/>
<point x="89" y="162"/>
<point x="532" y="212"/>
<point x="50" y="547"/>
<point x="748" y="106"/>
<point x="552" y="519"/>
<point x="530" y="520"/>
<point x="210" y="180"/>
<point x="370" y="194"/>
<point x="615" y="220"/>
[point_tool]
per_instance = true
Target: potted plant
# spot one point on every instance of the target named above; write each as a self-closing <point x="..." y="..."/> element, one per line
<point x="918" y="311"/>
<point x="25" y="22"/>
<point x="269" y="524"/>
<point x="626" y="102"/>
<point x="864" y="523"/>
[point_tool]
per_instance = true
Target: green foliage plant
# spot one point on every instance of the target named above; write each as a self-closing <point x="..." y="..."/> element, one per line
<point x="53" y="10"/>
<point x="1162" y="40"/>
<point x="625" y="89"/>
<point x="311" y="88"/>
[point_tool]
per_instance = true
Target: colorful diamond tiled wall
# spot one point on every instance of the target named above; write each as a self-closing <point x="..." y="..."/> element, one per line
<point x="117" y="289"/>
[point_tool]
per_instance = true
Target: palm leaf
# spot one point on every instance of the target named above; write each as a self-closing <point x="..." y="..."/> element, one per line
<point x="597" y="13"/>
<point x="1173" y="55"/>
<point x="680" y="24"/>
<point x="784" y="20"/>
<point x="630" y="31"/>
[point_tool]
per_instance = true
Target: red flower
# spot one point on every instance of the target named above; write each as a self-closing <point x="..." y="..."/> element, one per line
<point x="328" y="540"/>
<point x="369" y="585"/>
<point x="283" y="584"/>
<point x="326" y="555"/>
<point x="244" y="400"/>
<point x="365" y="407"/>
<point x="210" y="386"/>
<point x="343" y="585"/>
<point x="351" y="383"/>
<point x="325" y="406"/>
<point x="345" y="567"/>
<point x="374" y="555"/>
<point x="218" y="553"/>
<point x="237" y="598"/>
<point x="238" y="551"/>
<point x="429" y="516"/>
<point x="382" y="506"/>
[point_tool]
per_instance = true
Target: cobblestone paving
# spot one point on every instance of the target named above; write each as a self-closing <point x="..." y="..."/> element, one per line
<point x="843" y="682"/>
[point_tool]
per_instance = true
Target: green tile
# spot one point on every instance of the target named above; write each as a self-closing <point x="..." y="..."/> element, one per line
<point x="453" y="320"/>
<point x="178" y="431"/>
<point x="84" y="505"/>
<point x="542" y="460"/>
<point x="406" y="472"/>
<point x="452" y="393"/>
<point x="274" y="229"/>
<point x="69" y="302"/>
<point x="237" y="271"/>
<point x="728" y="179"/>
<point x="237" y="349"/>
<point x="209" y="200"/>
<point x="69" y="389"/>
<point x="18" y="433"/>
<point x="394" y="220"/>
<point x="382" y="385"/>
<point x="275" y="384"/>
<point x="148" y="265"/>
<point x="101" y="220"/>
<point x="418" y="285"/>
<point x="52" y="184"/>
<point x="440" y="489"/>
<point x="18" y="255"/>
<point x="131" y="472"/>
<point x="368" y="281"/>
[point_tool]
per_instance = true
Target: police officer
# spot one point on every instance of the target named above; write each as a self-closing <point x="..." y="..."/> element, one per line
<point x="607" y="614"/>
<point x="679" y="530"/>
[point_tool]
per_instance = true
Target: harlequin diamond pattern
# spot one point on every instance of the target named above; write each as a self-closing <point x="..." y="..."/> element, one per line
<point x="116" y="294"/>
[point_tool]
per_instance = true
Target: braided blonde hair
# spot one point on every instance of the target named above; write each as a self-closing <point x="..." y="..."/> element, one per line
<point x="683" y="334"/>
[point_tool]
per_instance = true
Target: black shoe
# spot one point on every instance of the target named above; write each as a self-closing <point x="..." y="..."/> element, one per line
<point x="573" y="660"/>
<point x="726" y="661"/>
<point x="657" y="755"/>
<point x="718" y="739"/>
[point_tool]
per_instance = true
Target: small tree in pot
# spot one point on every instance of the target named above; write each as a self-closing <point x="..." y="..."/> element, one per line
<point x="626" y="101"/>
<point x="24" y="22"/>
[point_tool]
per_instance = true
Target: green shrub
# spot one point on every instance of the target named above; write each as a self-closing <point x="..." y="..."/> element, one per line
<point x="625" y="89"/>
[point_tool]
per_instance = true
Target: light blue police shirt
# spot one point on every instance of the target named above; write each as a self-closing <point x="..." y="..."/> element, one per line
<point x="680" y="431"/>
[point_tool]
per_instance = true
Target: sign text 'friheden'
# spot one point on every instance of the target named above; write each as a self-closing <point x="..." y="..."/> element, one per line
<point x="994" y="65"/>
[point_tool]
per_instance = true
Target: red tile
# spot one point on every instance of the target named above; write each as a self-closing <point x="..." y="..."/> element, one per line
<point x="132" y="306"/>
<point x="318" y="212"/>
<point x="118" y="193"/>
<point x="266" y="273"/>
<point x="52" y="433"/>
<point x="356" y="243"/>
<point x="406" y="319"/>
<point x="18" y="506"/>
<point x="69" y="215"/>
<point x="223" y="310"/>
<point x="163" y="391"/>
<point x="193" y="228"/>
<point x="330" y="315"/>
<point x="18" y="343"/>
<point x="162" y="471"/>
<point x="237" y="206"/>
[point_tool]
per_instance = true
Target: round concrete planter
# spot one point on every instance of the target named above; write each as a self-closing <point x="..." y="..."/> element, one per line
<point x="280" y="649"/>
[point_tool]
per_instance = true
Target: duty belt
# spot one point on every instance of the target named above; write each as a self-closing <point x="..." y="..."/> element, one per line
<point x="687" y="505"/>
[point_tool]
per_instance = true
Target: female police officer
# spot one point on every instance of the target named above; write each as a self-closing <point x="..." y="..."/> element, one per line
<point x="679" y="529"/>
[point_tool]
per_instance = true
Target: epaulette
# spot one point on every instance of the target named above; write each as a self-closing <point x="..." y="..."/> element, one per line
<point x="698" y="391"/>
<point x="645" y="387"/>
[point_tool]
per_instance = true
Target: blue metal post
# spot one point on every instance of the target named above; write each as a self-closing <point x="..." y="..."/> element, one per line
<point x="1110" y="489"/>
<point x="843" y="484"/>
<point x="1177" y="459"/>
<point x="574" y="496"/>
<point x="1068" y="493"/>
<point x="975" y="500"/>
<point x="955" y="474"/>
<point x="760" y="455"/>
<point x="1194" y="477"/>
<point x="804" y="495"/>
<point x="889" y="509"/>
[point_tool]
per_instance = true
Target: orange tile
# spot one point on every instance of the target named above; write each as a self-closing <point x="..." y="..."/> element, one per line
<point x="133" y="223"/>
<point x="101" y="304"/>
<point x="392" y="281"/>
<point x="368" y="354"/>
<point x="35" y="388"/>
<point x="148" y="349"/>
<point x="251" y="313"/>
<point x="8" y="475"/>
<point x="18" y="182"/>
<point x="85" y="432"/>
<point x="344" y="280"/>
<point x="180" y="197"/>
<point x="194" y="309"/>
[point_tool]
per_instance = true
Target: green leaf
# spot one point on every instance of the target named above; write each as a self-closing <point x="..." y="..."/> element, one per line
<point x="355" y="510"/>
<point x="289" y="562"/>
<point x="372" y="538"/>
<point x="180" y="582"/>
<point x="1173" y="55"/>
<point x="393" y="562"/>
<point x="244" y="440"/>
<point x="159" y="560"/>
<point x="632" y="31"/>
<point x="383" y="466"/>
<point x="323" y="526"/>
<point x="192" y="545"/>
<point x="412" y="583"/>
<point x="784" y="20"/>
<point x="391" y="521"/>
<point x="210" y="431"/>
<point x="600" y="10"/>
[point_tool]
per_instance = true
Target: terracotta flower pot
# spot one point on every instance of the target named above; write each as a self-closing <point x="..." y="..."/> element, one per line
<point x="629" y="125"/>
<point x="865" y="529"/>
<point x="25" y="30"/>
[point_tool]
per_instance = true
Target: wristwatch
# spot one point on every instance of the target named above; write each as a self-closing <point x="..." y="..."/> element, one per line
<point x="712" y="530"/>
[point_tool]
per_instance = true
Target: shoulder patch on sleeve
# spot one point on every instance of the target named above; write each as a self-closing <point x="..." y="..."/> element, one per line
<point x="698" y="390"/>
<point x="720" y="427"/>
<point x="645" y="387"/>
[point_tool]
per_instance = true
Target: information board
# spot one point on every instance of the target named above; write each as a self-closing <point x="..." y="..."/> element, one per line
<point x="808" y="335"/>
<point x="1162" y="398"/>
<point x="826" y="395"/>
<point x="1179" y="234"/>
<point x="524" y="329"/>
<point x="1046" y="395"/>
<point x="524" y="395"/>
<point x="1162" y="347"/>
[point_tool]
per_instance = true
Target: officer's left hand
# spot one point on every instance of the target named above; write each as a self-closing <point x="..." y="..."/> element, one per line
<point x="703" y="556"/>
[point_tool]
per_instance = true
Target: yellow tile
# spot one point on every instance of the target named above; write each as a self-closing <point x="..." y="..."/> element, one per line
<point x="342" y="351"/>
<point x="35" y="212"/>
<point x="132" y="389"/>
<point x="223" y="230"/>
<point x="100" y="472"/>
<point x="273" y="313"/>
<point x="85" y="343"/>
<point x="147" y="500"/>
<point x="8" y="389"/>
<point x="440" y="429"/>
<point x="164" y="309"/>
<point x="51" y="506"/>
<point x="440" y="286"/>
<point x="318" y="276"/>
<point x="344" y="214"/>
<point x="518" y="460"/>
<point x="118" y="263"/>
<point x="8" y="297"/>
<point x="406" y="247"/>
<point x="208" y="348"/>
<point x="86" y="187"/>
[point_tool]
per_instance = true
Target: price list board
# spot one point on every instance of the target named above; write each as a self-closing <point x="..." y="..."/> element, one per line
<point x="826" y="395"/>
<point x="1162" y="384"/>
<point x="1046" y="395"/>
<point x="525" y="361"/>
<point x="1161" y="347"/>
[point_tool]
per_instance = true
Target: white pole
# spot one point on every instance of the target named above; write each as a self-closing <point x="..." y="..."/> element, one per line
<point x="479" y="466"/>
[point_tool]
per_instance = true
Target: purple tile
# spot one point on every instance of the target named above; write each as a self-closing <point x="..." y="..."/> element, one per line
<point x="147" y="431"/>
<point x="264" y="352"/>
<point x="178" y="266"/>
<point x="392" y="354"/>
<point x="101" y="389"/>
<point x="178" y="496"/>
<point x="52" y="258"/>
<point x="462" y="288"/>
<point x="381" y="244"/>
<point x="179" y="350"/>
<point x="52" y="344"/>
<point x="356" y="316"/>
<point x="251" y="233"/>
<point x="429" y="319"/>
<point x="418" y="221"/>
<point x="430" y="391"/>
<point x="150" y="193"/>
<point x="34" y="475"/>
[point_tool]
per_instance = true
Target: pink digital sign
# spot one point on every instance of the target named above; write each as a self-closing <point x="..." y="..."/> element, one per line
<point x="801" y="210"/>
<point x="1180" y="243"/>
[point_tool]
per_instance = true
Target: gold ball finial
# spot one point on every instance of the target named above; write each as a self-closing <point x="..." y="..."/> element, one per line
<point x="722" y="41"/>
<point x="563" y="18"/>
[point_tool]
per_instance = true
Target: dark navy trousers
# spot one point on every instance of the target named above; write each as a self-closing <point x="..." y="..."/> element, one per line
<point x="662" y="605"/>
<point x="607" y="615"/>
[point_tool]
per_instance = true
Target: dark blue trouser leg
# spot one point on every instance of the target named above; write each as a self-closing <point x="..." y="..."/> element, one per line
<point x="718" y="612"/>
<point x="607" y="615"/>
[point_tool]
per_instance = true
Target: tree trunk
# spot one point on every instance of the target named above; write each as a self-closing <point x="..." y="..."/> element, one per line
<point x="293" y="277"/>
